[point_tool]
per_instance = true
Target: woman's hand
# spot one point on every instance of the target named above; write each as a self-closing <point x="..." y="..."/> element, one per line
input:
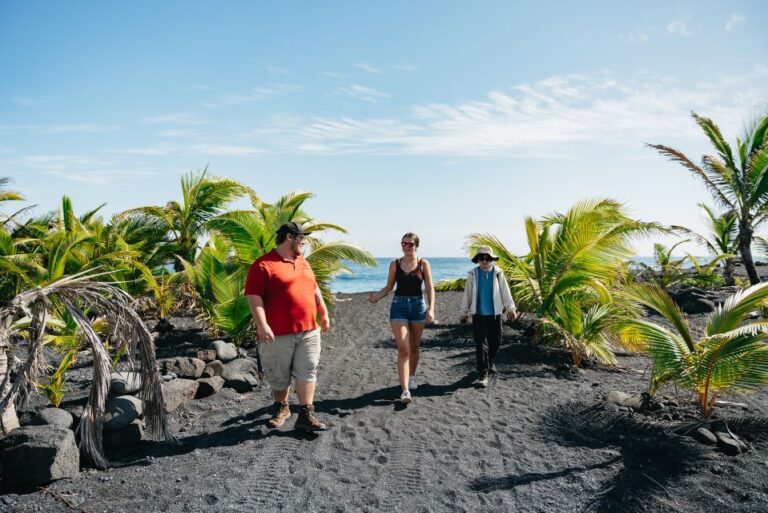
<point x="430" y="316"/>
<point x="372" y="298"/>
<point x="463" y="319"/>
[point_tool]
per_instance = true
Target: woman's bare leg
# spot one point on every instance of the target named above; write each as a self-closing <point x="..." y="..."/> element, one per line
<point x="414" y="339"/>
<point x="401" y="332"/>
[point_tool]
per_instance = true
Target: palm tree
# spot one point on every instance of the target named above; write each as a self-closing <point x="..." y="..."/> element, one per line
<point x="737" y="181"/>
<point x="727" y="357"/>
<point x="79" y="294"/>
<point x="667" y="270"/>
<point x="722" y="238"/>
<point x="6" y="195"/>
<point x="575" y="260"/>
<point x="239" y="238"/>
<point x="203" y="198"/>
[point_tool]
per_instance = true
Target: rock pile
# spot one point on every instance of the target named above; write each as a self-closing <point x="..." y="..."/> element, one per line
<point x="712" y="432"/>
<point x="45" y="449"/>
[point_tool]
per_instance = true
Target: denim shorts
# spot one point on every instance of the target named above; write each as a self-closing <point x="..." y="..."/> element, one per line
<point x="408" y="309"/>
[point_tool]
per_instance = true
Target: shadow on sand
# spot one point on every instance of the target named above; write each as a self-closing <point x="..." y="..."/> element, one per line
<point x="652" y="459"/>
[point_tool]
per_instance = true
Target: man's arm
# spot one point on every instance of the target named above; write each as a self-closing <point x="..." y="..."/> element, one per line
<point x="263" y="331"/>
<point x="325" y="322"/>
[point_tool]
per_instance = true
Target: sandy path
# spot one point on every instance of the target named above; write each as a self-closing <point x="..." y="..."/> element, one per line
<point x="457" y="448"/>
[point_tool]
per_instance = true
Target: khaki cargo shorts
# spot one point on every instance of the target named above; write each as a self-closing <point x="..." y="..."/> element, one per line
<point x="297" y="355"/>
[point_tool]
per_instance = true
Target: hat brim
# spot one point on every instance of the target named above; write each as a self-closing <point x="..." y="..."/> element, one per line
<point x="475" y="258"/>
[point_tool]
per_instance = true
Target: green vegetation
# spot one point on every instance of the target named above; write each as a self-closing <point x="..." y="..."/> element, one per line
<point x="721" y="243"/>
<point x="737" y="180"/>
<point x="571" y="273"/>
<point x="729" y="356"/>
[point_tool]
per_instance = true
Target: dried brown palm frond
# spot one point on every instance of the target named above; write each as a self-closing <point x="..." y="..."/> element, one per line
<point x="79" y="293"/>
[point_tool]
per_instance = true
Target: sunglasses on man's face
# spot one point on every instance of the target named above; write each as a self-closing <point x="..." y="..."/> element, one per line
<point x="407" y="244"/>
<point x="484" y="258"/>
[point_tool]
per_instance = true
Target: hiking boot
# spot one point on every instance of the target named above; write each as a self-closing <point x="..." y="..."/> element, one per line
<point x="279" y="416"/>
<point x="412" y="385"/>
<point x="307" y="420"/>
<point x="482" y="382"/>
<point x="405" y="397"/>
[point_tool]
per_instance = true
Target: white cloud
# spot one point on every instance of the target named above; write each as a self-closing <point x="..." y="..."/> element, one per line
<point x="276" y="71"/>
<point x="60" y="129"/>
<point x="368" y="68"/>
<point x="363" y="93"/>
<point x="104" y="176"/>
<point x="333" y="74"/>
<point x="255" y="94"/>
<point x="33" y="100"/>
<point x="560" y="117"/>
<point x="175" y="118"/>
<point x="168" y="149"/>
<point x="680" y="28"/>
<point x="636" y="37"/>
<point x="106" y="171"/>
<point x="199" y="87"/>
<point x="733" y="20"/>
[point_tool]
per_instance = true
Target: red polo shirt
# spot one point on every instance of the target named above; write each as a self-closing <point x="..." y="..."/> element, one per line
<point x="288" y="290"/>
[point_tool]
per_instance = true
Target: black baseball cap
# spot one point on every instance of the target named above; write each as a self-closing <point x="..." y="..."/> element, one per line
<point x="292" y="228"/>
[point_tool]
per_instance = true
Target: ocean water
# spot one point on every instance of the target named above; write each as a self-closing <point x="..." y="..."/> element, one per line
<point x="364" y="279"/>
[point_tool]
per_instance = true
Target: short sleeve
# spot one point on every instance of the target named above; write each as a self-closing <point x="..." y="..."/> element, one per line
<point x="256" y="281"/>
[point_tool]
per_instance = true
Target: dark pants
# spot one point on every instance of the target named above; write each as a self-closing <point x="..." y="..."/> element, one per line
<point x="486" y="330"/>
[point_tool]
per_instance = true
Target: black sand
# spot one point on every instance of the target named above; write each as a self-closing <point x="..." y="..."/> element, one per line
<point x="529" y="443"/>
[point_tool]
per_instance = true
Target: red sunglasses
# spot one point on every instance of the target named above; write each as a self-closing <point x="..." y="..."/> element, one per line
<point x="407" y="244"/>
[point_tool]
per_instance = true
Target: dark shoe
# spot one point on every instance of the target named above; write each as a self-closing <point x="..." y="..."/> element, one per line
<point x="307" y="420"/>
<point x="279" y="416"/>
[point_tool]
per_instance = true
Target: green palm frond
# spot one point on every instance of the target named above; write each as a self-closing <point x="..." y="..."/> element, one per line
<point x="735" y="309"/>
<point x="457" y="284"/>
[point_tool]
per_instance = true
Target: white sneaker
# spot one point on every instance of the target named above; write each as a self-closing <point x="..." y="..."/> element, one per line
<point x="405" y="397"/>
<point x="412" y="385"/>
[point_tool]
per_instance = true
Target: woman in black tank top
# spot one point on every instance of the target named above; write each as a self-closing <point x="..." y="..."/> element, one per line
<point x="409" y="312"/>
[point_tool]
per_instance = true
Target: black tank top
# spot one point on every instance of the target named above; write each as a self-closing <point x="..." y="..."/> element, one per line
<point x="408" y="284"/>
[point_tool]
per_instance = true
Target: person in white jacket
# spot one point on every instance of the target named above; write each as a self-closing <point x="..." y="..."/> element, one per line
<point x="486" y="298"/>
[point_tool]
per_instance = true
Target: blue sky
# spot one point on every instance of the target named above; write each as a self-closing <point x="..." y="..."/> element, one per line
<point x="443" y="118"/>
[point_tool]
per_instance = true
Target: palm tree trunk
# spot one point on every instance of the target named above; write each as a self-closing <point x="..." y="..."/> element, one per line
<point x="8" y="419"/>
<point x="728" y="272"/>
<point x="745" y="248"/>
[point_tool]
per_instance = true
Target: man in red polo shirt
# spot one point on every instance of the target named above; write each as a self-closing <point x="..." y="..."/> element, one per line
<point x="285" y="300"/>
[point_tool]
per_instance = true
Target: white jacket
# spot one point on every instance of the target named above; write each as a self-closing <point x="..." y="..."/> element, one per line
<point x="502" y="297"/>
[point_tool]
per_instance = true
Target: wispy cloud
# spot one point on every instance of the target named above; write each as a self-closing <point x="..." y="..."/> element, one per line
<point x="636" y="37"/>
<point x="104" y="171"/>
<point x="680" y="28"/>
<point x="103" y="177"/>
<point x="60" y="129"/>
<point x="405" y="67"/>
<point x="33" y="100"/>
<point x="367" y="94"/>
<point x="253" y="95"/>
<point x="175" y="118"/>
<point x="168" y="149"/>
<point x="368" y="68"/>
<point x="277" y="71"/>
<point x="733" y="20"/>
<point x="199" y="87"/>
<point x="560" y="117"/>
